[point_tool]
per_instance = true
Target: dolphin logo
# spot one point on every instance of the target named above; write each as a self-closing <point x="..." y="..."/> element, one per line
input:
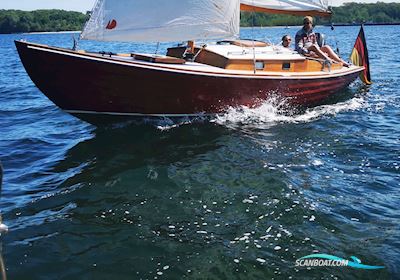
<point x="355" y="263"/>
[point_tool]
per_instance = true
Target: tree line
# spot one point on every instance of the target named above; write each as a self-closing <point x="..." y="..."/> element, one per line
<point x="15" y="21"/>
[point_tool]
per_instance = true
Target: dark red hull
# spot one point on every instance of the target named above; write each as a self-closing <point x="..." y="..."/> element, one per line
<point x="78" y="83"/>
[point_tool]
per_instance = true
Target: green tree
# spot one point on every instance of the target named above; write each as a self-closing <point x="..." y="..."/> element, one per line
<point x="381" y="17"/>
<point x="14" y="21"/>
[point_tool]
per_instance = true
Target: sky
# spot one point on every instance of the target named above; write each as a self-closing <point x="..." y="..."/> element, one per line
<point x="86" y="5"/>
<point x="29" y="5"/>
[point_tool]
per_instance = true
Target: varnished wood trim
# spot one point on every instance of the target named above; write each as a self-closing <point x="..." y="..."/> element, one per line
<point x="159" y="59"/>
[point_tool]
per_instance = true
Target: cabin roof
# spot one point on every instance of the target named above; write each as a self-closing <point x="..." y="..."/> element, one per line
<point x="269" y="52"/>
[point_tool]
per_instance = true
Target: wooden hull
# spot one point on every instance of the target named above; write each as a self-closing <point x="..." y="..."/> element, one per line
<point x="81" y="83"/>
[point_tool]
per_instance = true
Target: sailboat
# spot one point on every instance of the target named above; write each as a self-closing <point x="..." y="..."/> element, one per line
<point x="190" y="80"/>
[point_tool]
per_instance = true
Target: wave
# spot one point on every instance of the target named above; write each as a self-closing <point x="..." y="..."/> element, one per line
<point x="274" y="112"/>
<point x="270" y="112"/>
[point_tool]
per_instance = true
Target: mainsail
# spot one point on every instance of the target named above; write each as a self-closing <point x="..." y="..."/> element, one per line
<point x="162" y="21"/>
<point x="294" y="7"/>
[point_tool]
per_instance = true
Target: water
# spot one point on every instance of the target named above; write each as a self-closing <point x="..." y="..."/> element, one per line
<point x="240" y="196"/>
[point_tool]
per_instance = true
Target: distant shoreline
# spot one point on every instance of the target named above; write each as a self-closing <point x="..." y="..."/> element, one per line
<point x="244" y="27"/>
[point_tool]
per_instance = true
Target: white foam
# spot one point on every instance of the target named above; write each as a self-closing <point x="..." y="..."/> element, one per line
<point x="317" y="162"/>
<point x="270" y="112"/>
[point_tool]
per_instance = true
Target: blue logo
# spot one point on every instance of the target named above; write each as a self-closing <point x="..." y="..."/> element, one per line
<point x="330" y="260"/>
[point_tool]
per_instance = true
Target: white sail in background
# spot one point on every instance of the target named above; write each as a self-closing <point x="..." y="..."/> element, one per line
<point x="296" y="7"/>
<point x="162" y="20"/>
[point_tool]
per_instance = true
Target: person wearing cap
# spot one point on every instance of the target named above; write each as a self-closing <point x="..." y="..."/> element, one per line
<point x="306" y="44"/>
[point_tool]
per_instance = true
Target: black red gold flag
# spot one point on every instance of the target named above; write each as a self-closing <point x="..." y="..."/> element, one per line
<point x="359" y="56"/>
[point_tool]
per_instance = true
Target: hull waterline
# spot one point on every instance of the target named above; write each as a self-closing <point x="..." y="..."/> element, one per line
<point x="86" y="84"/>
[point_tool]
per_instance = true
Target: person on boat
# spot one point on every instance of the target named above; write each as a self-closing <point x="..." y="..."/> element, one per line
<point x="306" y="44"/>
<point x="286" y="40"/>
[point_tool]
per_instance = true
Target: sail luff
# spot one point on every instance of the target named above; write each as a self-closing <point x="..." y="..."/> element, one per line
<point x="91" y="23"/>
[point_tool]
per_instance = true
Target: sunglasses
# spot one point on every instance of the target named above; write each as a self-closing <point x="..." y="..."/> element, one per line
<point x="308" y="22"/>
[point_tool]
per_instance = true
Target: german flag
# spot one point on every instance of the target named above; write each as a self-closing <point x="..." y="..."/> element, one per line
<point x="359" y="56"/>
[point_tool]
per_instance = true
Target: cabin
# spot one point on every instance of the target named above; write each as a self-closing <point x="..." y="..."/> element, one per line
<point x="239" y="55"/>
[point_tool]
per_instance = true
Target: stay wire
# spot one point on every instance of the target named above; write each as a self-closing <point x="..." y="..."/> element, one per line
<point x="333" y="28"/>
<point x="253" y="37"/>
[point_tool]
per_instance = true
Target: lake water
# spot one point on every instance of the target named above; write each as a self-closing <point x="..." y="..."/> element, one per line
<point x="240" y="196"/>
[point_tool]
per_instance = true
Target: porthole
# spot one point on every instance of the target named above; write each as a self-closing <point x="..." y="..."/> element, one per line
<point x="259" y="65"/>
<point x="286" y="66"/>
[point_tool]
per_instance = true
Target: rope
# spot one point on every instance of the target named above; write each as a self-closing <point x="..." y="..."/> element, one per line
<point x="334" y="37"/>
<point x="199" y="51"/>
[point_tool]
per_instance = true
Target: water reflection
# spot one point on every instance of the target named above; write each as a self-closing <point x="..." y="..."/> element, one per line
<point x="204" y="191"/>
<point x="196" y="201"/>
<point x="114" y="150"/>
<point x="1" y="177"/>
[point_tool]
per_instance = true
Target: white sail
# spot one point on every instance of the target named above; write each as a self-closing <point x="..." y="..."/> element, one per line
<point x="162" y="20"/>
<point x="296" y="7"/>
